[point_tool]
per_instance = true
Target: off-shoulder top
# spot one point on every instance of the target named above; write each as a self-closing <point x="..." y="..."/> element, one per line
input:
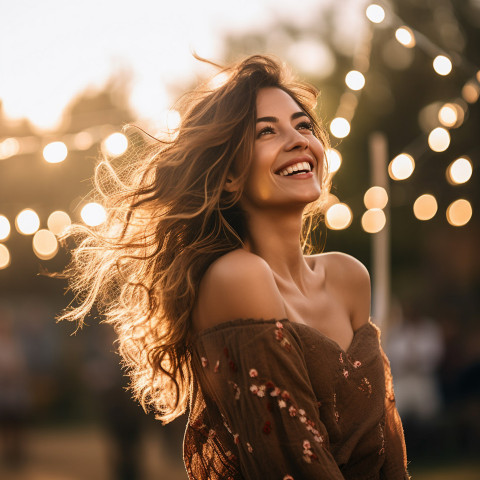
<point x="274" y="399"/>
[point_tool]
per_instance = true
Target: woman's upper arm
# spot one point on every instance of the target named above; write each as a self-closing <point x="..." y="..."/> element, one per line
<point x="237" y="285"/>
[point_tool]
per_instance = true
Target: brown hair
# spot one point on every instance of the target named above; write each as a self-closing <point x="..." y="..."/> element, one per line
<point x="168" y="220"/>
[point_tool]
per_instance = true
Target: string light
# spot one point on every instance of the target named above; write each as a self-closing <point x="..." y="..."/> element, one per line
<point x="375" y="13"/>
<point x="340" y="127"/>
<point x="338" y="216"/>
<point x="425" y="207"/>
<point x="405" y="36"/>
<point x="470" y="92"/>
<point x="401" y="167"/>
<point x="459" y="212"/>
<point x="334" y="160"/>
<point x="55" y="152"/>
<point x="375" y="197"/>
<point x="4" y="227"/>
<point x="115" y="144"/>
<point x="439" y="139"/>
<point x="58" y="222"/>
<point x="442" y="65"/>
<point x="93" y="214"/>
<point x="459" y="171"/>
<point x="4" y="257"/>
<point x="374" y="220"/>
<point x="45" y="245"/>
<point x="27" y="222"/>
<point x="448" y="115"/>
<point x="355" y="80"/>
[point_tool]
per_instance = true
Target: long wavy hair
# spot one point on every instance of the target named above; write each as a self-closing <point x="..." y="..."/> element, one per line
<point x="168" y="219"/>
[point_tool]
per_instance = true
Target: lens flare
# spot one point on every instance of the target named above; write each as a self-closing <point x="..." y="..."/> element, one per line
<point x="425" y="207"/>
<point x="373" y="220"/>
<point x="338" y="216"/>
<point x="459" y="171"/>
<point x="459" y="212"/>
<point x="401" y="167"/>
<point x="27" y="222"/>
<point x="4" y="227"/>
<point x="45" y="245"/>
<point x="375" y="197"/>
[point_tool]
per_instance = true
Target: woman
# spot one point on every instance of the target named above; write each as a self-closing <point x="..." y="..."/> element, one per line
<point x="201" y="269"/>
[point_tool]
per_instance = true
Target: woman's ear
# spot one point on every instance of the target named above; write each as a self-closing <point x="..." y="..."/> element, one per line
<point x="232" y="184"/>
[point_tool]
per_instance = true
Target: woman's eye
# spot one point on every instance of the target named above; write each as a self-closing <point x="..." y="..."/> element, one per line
<point x="265" y="131"/>
<point x="305" y="126"/>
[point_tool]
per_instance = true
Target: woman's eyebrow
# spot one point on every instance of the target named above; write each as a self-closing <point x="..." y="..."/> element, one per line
<point x="275" y="119"/>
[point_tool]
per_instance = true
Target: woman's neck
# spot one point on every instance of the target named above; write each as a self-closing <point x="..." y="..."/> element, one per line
<point x="275" y="236"/>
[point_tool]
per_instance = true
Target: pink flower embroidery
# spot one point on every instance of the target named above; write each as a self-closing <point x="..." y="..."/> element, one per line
<point x="282" y="403"/>
<point x="236" y="439"/>
<point x="204" y="362"/>
<point x="357" y="364"/>
<point x="254" y="389"/>
<point x="301" y="411"/>
<point x="253" y="373"/>
<point x="292" y="411"/>
<point x="306" y="445"/>
<point x="345" y="373"/>
<point x="279" y="325"/>
<point x="341" y="357"/>
<point x="275" y="392"/>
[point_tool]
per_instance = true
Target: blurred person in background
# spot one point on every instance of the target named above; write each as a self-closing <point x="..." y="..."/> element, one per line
<point x="200" y="267"/>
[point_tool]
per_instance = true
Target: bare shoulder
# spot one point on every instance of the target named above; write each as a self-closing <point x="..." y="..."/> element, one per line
<point x="239" y="284"/>
<point x="351" y="281"/>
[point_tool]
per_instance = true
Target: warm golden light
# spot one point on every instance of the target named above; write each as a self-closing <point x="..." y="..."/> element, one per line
<point x="334" y="160"/>
<point x="375" y="197"/>
<point x="8" y="148"/>
<point x="45" y="245"/>
<point x="448" y="115"/>
<point x="425" y="207"/>
<point x="373" y="220"/>
<point x="405" y="36"/>
<point x="173" y="119"/>
<point x="340" y="127"/>
<point x="442" y="65"/>
<point x="459" y="171"/>
<point x="55" y="152"/>
<point x="401" y="167"/>
<point x="218" y="80"/>
<point x="4" y="257"/>
<point x="116" y="144"/>
<point x="439" y="139"/>
<point x="355" y="80"/>
<point x="338" y="216"/>
<point x="459" y="212"/>
<point x="27" y="222"/>
<point x="58" y="221"/>
<point x="4" y="227"/>
<point x="375" y="13"/>
<point x="93" y="214"/>
<point x="83" y="140"/>
<point x="470" y="92"/>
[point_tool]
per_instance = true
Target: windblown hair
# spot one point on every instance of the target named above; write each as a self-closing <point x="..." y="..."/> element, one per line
<point x="168" y="219"/>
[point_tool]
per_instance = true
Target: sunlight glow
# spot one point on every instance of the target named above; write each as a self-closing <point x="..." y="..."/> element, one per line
<point x="442" y="65"/>
<point x="4" y="227"/>
<point x="55" y="152"/>
<point x="58" y="221"/>
<point x="459" y="212"/>
<point x="115" y="144"/>
<point x="459" y="171"/>
<point x="340" y="127"/>
<point x="373" y="220"/>
<point x="405" y="36"/>
<point x="334" y="160"/>
<point x="27" y="222"/>
<point x="439" y="139"/>
<point x="4" y="257"/>
<point x="375" y="13"/>
<point x="93" y="214"/>
<point x="338" y="216"/>
<point x="425" y="207"/>
<point x="8" y="148"/>
<point x="45" y="245"/>
<point x="401" y="167"/>
<point x="355" y="80"/>
<point x="375" y="197"/>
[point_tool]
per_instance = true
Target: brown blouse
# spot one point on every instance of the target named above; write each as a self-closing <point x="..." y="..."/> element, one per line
<point x="278" y="400"/>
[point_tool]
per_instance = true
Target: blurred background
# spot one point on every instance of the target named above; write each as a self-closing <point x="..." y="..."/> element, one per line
<point x="399" y="85"/>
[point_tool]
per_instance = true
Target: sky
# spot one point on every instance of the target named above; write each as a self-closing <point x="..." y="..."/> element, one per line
<point x="52" y="50"/>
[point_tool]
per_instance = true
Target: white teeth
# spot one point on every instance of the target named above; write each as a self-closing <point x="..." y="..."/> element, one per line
<point x="295" y="168"/>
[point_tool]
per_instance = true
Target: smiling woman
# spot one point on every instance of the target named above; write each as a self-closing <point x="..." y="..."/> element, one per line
<point x="201" y="266"/>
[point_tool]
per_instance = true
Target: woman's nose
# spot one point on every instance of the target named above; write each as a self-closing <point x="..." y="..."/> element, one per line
<point x="295" y="139"/>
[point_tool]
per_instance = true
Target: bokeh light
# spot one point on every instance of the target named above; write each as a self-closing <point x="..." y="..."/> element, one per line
<point x="442" y="65"/>
<point x="4" y="257"/>
<point x="425" y="207"/>
<point x="173" y="119"/>
<point x="340" y="127"/>
<point x="45" y="245"/>
<point x="27" y="222"/>
<point x="338" y="216"/>
<point x="459" y="212"/>
<point x="55" y="152"/>
<point x="83" y="140"/>
<point x="375" y="13"/>
<point x="459" y="171"/>
<point x="375" y="197"/>
<point x="401" y="167"/>
<point x="93" y="214"/>
<point x="373" y="220"/>
<point x="439" y="139"/>
<point x="405" y="36"/>
<point x="448" y="114"/>
<point x="4" y="227"/>
<point x="470" y="92"/>
<point x="355" y="80"/>
<point x="8" y="148"/>
<point x="334" y="160"/>
<point x="58" y="221"/>
<point x="115" y="144"/>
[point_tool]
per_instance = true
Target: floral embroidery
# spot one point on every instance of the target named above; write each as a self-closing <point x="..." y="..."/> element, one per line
<point x="254" y="389"/>
<point x="292" y="411"/>
<point x="236" y="438"/>
<point x="281" y="338"/>
<point x="282" y="403"/>
<point x="236" y="389"/>
<point x="345" y="373"/>
<point x="217" y="365"/>
<point x="341" y="357"/>
<point x="307" y="452"/>
<point x="279" y="325"/>
<point x="365" y="387"/>
<point x="249" y="448"/>
<point x="253" y="373"/>
<point x="267" y="428"/>
<point x="204" y="362"/>
<point x="357" y="364"/>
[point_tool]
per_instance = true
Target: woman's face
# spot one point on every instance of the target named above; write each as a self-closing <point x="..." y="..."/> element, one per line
<point x="288" y="158"/>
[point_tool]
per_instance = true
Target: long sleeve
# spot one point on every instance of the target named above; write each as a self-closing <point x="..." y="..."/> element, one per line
<point x="254" y="372"/>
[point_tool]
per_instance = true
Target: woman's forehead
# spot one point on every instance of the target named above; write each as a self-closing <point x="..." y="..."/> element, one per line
<point x="273" y="101"/>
